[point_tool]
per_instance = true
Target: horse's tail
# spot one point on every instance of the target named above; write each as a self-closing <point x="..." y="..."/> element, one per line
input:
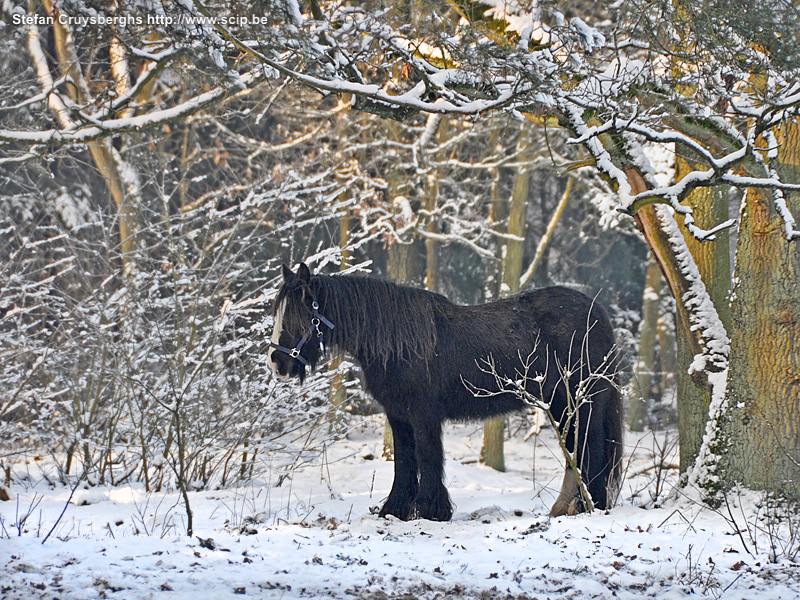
<point x="600" y="457"/>
<point x="602" y="469"/>
<point x="613" y="448"/>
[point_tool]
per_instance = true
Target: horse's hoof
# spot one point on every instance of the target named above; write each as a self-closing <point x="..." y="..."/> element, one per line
<point x="432" y="512"/>
<point x="401" y="512"/>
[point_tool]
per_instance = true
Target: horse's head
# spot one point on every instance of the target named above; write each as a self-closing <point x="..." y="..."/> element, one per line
<point x="298" y="327"/>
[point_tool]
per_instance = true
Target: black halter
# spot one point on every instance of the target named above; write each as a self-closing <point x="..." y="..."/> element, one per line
<point x="316" y="319"/>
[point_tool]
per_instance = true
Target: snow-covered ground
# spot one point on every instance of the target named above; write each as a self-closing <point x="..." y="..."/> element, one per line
<point x="314" y="536"/>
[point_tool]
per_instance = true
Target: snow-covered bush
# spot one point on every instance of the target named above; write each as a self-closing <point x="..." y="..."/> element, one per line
<point x="155" y="374"/>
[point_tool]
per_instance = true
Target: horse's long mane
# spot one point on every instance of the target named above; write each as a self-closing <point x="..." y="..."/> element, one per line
<point x="378" y="319"/>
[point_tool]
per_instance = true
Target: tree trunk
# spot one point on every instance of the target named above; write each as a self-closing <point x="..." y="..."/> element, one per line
<point x="431" y="245"/>
<point x="667" y="351"/>
<point x="492" y="453"/>
<point x="764" y="381"/>
<point x="118" y="175"/>
<point x="645" y="364"/>
<point x="438" y="126"/>
<point x="400" y="266"/>
<point x="670" y="251"/>
<point x="710" y="207"/>
<point x="338" y="391"/>
<point x="515" y="248"/>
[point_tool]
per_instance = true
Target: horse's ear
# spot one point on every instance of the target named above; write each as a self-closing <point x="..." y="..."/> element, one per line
<point x="303" y="273"/>
<point x="287" y="273"/>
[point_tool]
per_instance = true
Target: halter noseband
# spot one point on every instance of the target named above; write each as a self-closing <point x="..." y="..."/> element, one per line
<point x="316" y="319"/>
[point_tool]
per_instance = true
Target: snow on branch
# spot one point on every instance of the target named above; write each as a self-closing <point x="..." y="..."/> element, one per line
<point x="157" y="62"/>
<point x="789" y="223"/>
<point x="598" y="92"/>
<point x="602" y="157"/>
<point x="720" y="171"/>
<point x="440" y="85"/>
<point x="76" y="133"/>
<point x="703" y="316"/>
<point x="412" y="99"/>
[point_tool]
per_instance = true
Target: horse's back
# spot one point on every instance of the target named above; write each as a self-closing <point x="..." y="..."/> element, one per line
<point x="567" y="315"/>
<point x="501" y="335"/>
<point x="554" y="315"/>
<point x="474" y="340"/>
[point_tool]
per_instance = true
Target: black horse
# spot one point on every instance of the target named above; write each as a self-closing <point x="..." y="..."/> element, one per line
<point x="424" y="357"/>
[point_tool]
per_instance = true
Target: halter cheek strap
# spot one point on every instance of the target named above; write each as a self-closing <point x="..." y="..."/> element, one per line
<point x="316" y="319"/>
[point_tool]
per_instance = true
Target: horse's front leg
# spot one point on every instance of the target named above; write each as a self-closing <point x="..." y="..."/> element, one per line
<point x="432" y="501"/>
<point x="406" y="481"/>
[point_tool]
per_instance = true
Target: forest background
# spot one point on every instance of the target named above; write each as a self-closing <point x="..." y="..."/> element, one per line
<point x="160" y="161"/>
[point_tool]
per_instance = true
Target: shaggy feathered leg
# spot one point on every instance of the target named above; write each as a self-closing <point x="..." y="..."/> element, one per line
<point x="432" y="501"/>
<point x="406" y="485"/>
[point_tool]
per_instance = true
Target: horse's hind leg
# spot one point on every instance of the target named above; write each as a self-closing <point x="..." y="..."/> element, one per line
<point x="568" y="499"/>
<point x="405" y="486"/>
<point x="432" y="501"/>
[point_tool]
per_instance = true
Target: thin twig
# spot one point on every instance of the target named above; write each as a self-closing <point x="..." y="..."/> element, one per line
<point x="66" y="504"/>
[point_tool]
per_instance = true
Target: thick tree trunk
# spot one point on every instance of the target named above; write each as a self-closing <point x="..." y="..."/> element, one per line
<point x="764" y="381"/>
<point x="710" y="207"/>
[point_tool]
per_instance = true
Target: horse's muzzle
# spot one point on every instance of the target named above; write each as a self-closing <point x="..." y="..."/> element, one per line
<point x="276" y="368"/>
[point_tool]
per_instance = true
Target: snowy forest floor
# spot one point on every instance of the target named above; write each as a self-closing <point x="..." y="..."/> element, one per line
<point x="314" y="536"/>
